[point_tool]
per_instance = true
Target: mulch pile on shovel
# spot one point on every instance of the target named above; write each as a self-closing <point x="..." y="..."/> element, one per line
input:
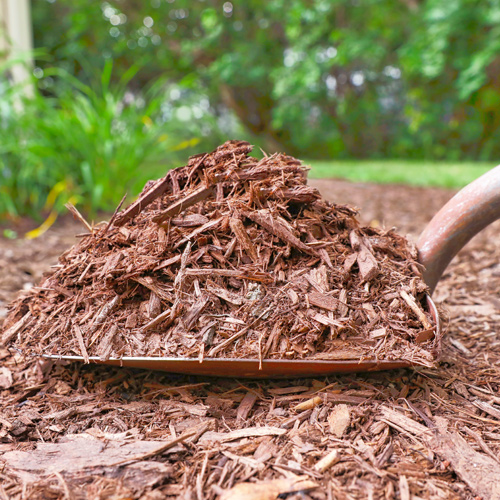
<point x="233" y="257"/>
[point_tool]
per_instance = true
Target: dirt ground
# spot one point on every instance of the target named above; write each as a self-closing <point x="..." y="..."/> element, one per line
<point x="80" y="431"/>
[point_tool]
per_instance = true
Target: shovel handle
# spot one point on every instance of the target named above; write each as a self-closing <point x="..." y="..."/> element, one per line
<point x="468" y="212"/>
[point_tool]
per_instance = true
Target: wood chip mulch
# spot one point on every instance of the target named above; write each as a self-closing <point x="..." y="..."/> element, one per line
<point x="76" y="431"/>
<point x="231" y="257"/>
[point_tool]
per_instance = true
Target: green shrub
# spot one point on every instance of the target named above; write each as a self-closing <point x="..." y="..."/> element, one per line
<point x="85" y="144"/>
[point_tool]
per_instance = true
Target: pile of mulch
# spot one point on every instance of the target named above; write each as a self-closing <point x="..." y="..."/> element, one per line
<point x="232" y="257"/>
<point x="96" y="432"/>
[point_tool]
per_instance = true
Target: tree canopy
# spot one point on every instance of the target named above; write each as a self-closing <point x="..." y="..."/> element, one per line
<point x="319" y="78"/>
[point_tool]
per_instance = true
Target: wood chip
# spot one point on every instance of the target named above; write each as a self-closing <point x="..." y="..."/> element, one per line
<point x="479" y="471"/>
<point x="240" y="232"/>
<point x="81" y="343"/>
<point x="309" y="404"/>
<point x="416" y="309"/>
<point x="368" y="266"/>
<point x="268" y="490"/>
<point x="339" y="420"/>
<point x="404" y="489"/>
<point x="245" y="406"/>
<point x="11" y="332"/>
<point x="277" y="228"/>
<point x="323" y="301"/>
<point x="327" y="461"/>
<point x="179" y="206"/>
<point x="223" y="437"/>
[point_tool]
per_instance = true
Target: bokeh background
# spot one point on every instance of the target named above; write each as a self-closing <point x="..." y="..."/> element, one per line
<point x="122" y="90"/>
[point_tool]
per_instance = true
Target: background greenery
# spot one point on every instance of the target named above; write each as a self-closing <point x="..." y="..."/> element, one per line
<point x="87" y="144"/>
<point x="318" y="78"/>
<point x="124" y="89"/>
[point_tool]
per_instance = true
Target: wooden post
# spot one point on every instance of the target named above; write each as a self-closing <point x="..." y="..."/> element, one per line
<point x="16" y="38"/>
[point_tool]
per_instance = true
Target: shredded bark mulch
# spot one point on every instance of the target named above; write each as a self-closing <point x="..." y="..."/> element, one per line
<point x="231" y="257"/>
<point x="95" y="432"/>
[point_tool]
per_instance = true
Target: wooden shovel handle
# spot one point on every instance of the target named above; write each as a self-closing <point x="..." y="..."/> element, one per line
<point x="472" y="209"/>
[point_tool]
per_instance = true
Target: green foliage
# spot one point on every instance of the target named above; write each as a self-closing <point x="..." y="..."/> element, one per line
<point x="319" y="78"/>
<point x="88" y="144"/>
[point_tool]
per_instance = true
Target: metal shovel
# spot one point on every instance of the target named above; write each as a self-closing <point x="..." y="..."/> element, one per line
<point x="468" y="212"/>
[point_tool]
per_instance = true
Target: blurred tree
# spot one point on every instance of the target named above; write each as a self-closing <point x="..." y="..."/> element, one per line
<point x="452" y="63"/>
<point x="323" y="78"/>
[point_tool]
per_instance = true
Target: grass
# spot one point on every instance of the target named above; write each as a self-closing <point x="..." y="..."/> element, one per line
<point x="416" y="173"/>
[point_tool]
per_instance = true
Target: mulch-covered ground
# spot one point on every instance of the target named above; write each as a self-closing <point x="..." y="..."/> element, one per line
<point x="82" y="431"/>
